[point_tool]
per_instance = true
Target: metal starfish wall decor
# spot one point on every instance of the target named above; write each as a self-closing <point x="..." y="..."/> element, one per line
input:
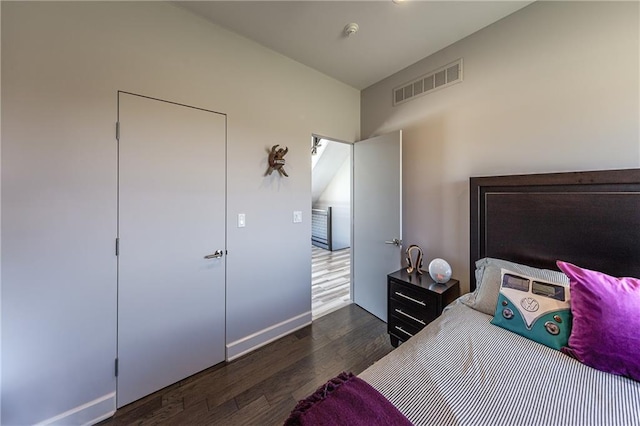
<point x="276" y="160"/>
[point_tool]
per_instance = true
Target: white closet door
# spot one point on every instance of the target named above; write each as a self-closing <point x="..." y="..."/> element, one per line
<point x="171" y="300"/>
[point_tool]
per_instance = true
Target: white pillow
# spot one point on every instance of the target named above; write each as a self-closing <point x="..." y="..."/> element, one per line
<point x="488" y="279"/>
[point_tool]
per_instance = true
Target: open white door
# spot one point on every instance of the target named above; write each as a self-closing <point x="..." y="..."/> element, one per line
<point x="377" y="219"/>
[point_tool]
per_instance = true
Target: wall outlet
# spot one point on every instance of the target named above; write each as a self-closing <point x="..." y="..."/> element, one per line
<point x="297" y="216"/>
<point x="241" y="220"/>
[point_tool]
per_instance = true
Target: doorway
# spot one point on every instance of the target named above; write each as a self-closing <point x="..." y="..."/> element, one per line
<point x="331" y="182"/>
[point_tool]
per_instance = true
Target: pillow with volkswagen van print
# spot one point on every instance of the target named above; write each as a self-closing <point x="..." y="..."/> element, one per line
<point x="533" y="308"/>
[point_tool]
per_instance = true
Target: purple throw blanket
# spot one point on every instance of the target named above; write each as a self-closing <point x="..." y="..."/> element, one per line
<point x="346" y="400"/>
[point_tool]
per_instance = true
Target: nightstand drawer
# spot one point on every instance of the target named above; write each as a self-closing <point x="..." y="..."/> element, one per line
<point x="407" y="295"/>
<point x="402" y="329"/>
<point x="412" y="315"/>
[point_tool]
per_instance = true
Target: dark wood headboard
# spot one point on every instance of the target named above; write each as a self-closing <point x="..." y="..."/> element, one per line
<point x="591" y="219"/>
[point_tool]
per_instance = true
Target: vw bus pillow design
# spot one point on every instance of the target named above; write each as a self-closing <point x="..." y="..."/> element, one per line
<point x="536" y="309"/>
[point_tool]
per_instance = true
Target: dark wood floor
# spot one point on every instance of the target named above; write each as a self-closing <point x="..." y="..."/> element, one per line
<point x="262" y="387"/>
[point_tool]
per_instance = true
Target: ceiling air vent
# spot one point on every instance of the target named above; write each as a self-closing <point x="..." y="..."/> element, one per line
<point x="437" y="79"/>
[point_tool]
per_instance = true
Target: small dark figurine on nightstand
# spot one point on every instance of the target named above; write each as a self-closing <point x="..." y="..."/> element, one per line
<point x="414" y="266"/>
<point x="413" y="301"/>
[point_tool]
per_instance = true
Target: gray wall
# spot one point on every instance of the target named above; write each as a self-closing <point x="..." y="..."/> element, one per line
<point x="62" y="64"/>
<point x="552" y="87"/>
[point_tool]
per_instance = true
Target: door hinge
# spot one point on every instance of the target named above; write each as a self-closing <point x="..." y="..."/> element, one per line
<point x="116" y="367"/>
<point x="117" y="130"/>
<point x="117" y="246"/>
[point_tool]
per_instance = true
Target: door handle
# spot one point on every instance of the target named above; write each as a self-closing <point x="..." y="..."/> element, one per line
<point x="216" y="255"/>
<point x="396" y="242"/>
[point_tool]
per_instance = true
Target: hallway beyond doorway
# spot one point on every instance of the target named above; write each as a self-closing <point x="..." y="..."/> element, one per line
<point x="330" y="280"/>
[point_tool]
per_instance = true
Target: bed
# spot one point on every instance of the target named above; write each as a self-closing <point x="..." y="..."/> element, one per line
<point x="463" y="370"/>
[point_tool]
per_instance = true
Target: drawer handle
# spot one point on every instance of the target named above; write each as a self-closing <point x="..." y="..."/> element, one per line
<point x="404" y="331"/>
<point x="420" y="302"/>
<point x="409" y="316"/>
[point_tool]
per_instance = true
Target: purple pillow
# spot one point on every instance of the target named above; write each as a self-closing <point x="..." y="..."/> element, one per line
<point x="606" y="321"/>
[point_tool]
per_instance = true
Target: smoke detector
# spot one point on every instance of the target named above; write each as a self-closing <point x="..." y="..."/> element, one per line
<point x="351" y="29"/>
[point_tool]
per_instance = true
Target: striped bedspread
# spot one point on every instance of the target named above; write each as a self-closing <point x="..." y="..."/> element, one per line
<point x="461" y="370"/>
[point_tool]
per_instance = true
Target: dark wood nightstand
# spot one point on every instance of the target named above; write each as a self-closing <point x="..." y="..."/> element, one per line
<point x="413" y="301"/>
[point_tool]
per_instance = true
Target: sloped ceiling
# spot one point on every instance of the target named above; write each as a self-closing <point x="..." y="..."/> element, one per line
<point x="391" y="37"/>
<point x="330" y="161"/>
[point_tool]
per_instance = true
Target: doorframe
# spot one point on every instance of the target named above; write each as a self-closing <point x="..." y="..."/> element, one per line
<point x="351" y="188"/>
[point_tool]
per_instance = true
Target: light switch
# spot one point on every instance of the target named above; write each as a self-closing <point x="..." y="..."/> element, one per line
<point x="241" y="220"/>
<point x="297" y="216"/>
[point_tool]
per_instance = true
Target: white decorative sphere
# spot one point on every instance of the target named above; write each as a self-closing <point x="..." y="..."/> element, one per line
<point x="440" y="270"/>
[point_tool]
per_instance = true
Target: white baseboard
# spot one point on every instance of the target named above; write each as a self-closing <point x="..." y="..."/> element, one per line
<point x="86" y="414"/>
<point x="254" y="341"/>
<point x="104" y="407"/>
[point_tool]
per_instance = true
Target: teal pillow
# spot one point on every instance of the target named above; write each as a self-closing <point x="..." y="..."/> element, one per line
<point x="533" y="308"/>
